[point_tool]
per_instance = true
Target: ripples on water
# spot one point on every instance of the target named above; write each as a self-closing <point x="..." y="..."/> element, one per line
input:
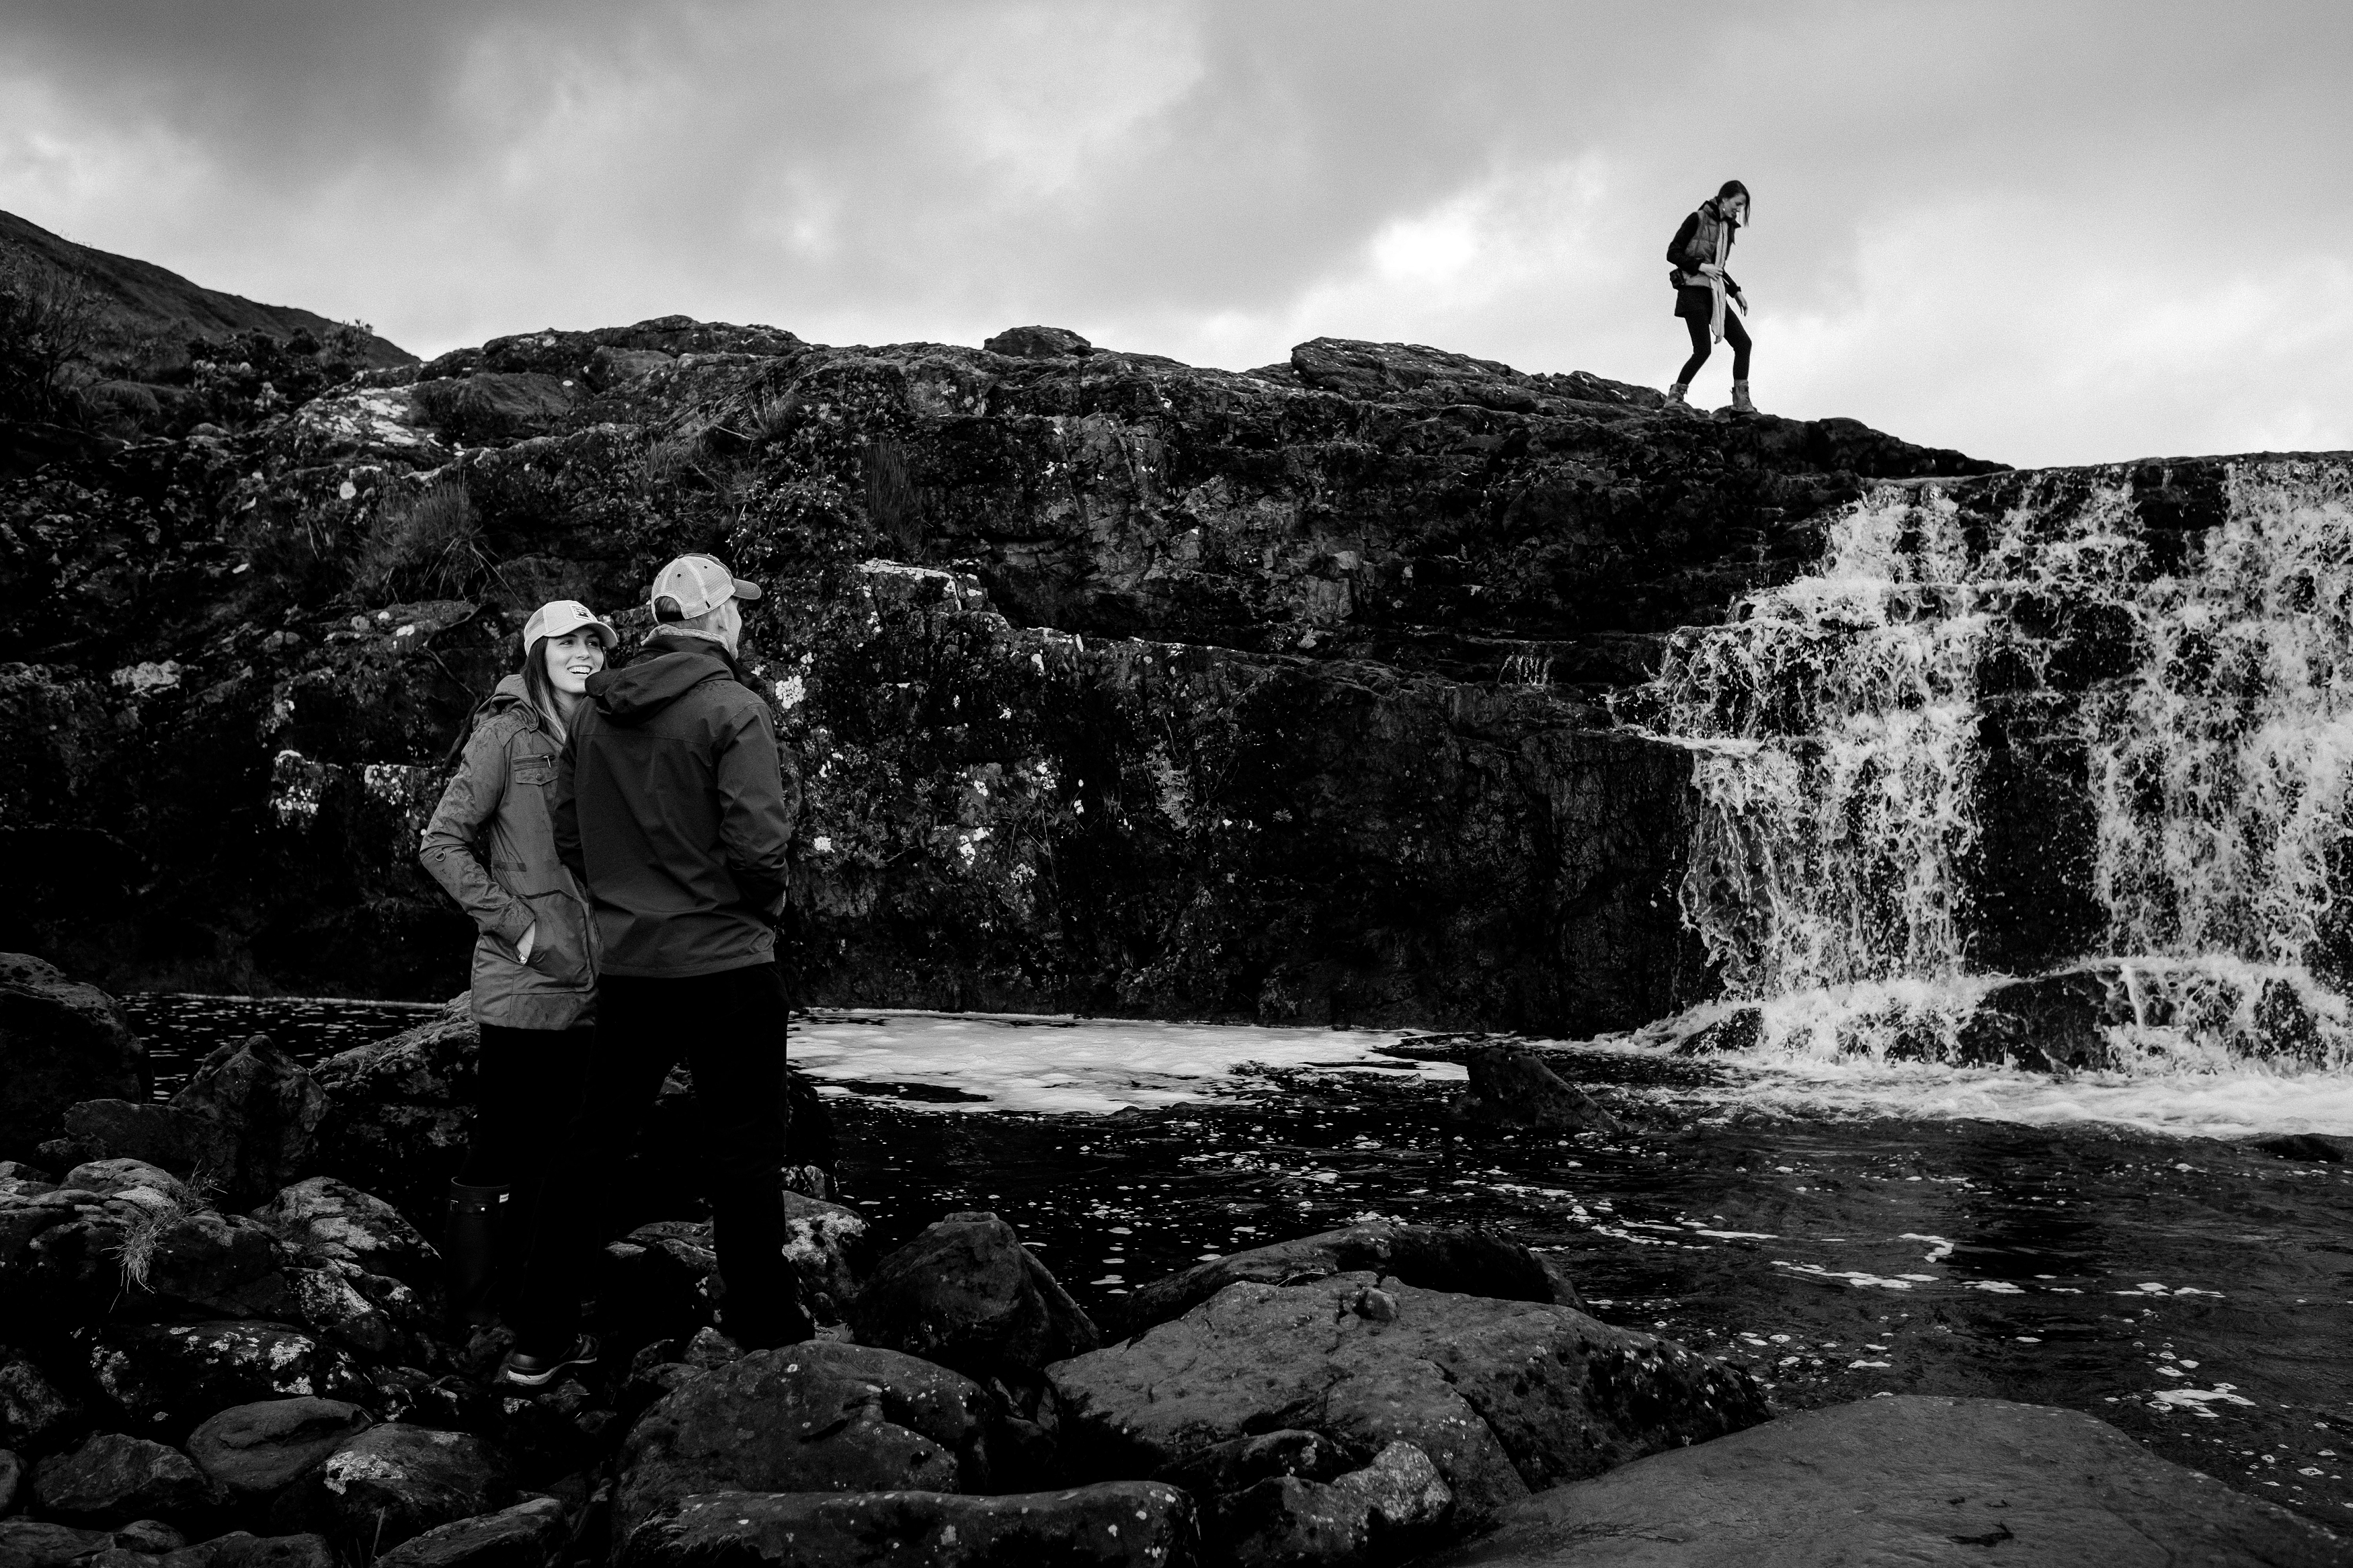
<point x="181" y="1029"/>
<point x="1844" y="1231"/>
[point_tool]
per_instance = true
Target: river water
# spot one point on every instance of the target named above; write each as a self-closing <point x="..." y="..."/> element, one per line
<point x="2116" y="1247"/>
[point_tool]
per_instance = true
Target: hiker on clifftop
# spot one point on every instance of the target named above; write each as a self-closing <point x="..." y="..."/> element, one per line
<point x="673" y="809"/>
<point x="492" y="843"/>
<point x="1704" y="290"/>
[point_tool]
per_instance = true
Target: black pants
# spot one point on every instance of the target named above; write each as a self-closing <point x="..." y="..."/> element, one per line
<point x="1734" y="334"/>
<point x="730" y="1026"/>
<point x="527" y="1089"/>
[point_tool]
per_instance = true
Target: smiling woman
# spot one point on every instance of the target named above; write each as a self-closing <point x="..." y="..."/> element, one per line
<point x="491" y="846"/>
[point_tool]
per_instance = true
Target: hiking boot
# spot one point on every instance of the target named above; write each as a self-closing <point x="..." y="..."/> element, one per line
<point x="522" y="1371"/>
<point x="1740" y="403"/>
<point x="1675" y="403"/>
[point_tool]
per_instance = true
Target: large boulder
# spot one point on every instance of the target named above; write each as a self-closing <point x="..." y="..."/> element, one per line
<point x="1911" y="1479"/>
<point x="112" y="1479"/>
<point x="60" y="1041"/>
<point x="258" y="1449"/>
<point x="325" y="1218"/>
<point x="816" y="1417"/>
<point x="371" y="1281"/>
<point x="389" y="1483"/>
<point x="167" y="1377"/>
<point x="1503" y="1397"/>
<point x="1118" y="1524"/>
<point x="967" y="1294"/>
<point x="528" y="1535"/>
<point x="1464" y="1258"/>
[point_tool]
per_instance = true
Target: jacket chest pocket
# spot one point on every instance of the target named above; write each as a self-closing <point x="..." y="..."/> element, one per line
<point x="539" y="772"/>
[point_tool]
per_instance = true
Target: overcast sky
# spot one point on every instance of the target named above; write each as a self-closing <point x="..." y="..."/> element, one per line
<point x="2042" y="233"/>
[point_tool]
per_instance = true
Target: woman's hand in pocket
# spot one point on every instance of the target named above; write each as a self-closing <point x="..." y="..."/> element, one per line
<point x="522" y="948"/>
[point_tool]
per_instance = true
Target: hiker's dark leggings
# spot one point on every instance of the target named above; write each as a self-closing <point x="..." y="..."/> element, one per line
<point x="1734" y="334"/>
<point x="527" y="1089"/>
<point x="729" y="1027"/>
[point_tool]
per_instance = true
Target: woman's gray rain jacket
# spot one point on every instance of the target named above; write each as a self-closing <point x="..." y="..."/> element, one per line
<point x="492" y="843"/>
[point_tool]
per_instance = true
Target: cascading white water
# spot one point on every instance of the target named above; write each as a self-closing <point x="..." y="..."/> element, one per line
<point x="1836" y="724"/>
<point x="2220" y="766"/>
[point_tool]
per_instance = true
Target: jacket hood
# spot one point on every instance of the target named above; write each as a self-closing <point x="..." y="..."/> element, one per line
<point x="510" y="696"/>
<point x="666" y="671"/>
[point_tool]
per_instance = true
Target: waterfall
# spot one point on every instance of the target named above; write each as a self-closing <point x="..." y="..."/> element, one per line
<point x="2189" y="703"/>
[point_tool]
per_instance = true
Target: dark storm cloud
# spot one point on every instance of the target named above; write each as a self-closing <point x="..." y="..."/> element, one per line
<point x="2046" y="233"/>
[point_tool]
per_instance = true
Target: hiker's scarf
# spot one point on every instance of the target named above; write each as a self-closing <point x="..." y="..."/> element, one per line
<point x="1715" y="279"/>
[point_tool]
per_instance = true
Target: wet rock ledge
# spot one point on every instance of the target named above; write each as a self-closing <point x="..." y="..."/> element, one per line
<point x="1114" y="685"/>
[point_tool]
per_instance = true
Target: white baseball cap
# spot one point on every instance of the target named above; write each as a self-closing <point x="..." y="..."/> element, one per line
<point x="558" y="616"/>
<point x="699" y="584"/>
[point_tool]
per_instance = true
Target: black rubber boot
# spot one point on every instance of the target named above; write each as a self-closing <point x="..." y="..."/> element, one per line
<point x="470" y="1250"/>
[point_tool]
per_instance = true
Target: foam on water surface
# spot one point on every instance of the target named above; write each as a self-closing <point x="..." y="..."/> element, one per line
<point x="1009" y="1062"/>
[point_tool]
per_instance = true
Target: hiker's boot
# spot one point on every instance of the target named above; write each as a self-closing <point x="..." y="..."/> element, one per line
<point x="1740" y="403"/>
<point x="1675" y="403"/>
<point x="523" y="1368"/>
<point x="469" y="1251"/>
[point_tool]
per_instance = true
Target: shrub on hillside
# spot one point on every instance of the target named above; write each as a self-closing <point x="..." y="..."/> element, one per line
<point x="48" y="322"/>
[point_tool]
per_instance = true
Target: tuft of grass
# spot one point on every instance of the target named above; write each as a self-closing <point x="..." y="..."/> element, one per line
<point x="771" y="419"/>
<point x="135" y="1255"/>
<point x="425" y="545"/>
<point x="669" y="458"/>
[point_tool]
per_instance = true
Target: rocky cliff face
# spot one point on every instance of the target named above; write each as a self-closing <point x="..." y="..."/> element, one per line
<point x="1116" y="685"/>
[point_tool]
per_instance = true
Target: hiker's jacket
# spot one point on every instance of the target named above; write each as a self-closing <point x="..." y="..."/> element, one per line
<point x="1694" y="245"/>
<point x="491" y="843"/>
<point x="673" y="809"/>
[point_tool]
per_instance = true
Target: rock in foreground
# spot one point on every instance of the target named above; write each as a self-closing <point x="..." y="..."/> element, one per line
<point x="816" y="1417"/>
<point x="1911" y="1480"/>
<point x="1121" y="1524"/>
<point x="1503" y="1397"/>
<point x="255" y="1449"/>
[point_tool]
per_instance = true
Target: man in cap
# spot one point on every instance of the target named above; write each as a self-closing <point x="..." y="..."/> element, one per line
<point x="673" y="811"/>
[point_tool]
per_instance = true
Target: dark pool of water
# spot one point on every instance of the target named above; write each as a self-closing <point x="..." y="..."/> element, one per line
<point x="2192" y="1291"/>
<point x="181" y="1030"/>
